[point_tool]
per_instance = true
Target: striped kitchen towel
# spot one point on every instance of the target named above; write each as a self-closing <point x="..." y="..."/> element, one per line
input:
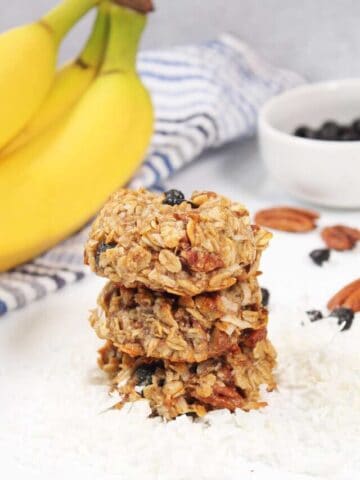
<point x="204" y="96"/>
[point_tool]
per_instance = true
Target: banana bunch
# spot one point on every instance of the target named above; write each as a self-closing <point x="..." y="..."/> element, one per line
<point x="68" y="138"/>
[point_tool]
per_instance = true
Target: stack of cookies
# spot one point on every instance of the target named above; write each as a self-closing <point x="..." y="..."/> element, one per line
<point x="182" y="313"/>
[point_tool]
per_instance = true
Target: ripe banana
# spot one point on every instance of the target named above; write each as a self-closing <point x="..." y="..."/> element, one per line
<point x="27" y="64"/>
<point x="53" y="185"/>
<point x="70" y="83"/>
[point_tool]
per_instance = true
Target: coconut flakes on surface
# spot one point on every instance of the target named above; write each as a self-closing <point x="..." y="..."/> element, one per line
<point x="56" y="418"/>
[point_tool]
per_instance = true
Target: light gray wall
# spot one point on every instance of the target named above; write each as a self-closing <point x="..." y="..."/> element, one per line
<point x="318" y="38"/>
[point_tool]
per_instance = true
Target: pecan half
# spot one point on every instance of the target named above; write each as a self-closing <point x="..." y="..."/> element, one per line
<point x="251" y="337"/>
<point x="340" y="237"/>
<point x="201" y="261"/>
<point x="348" y="297"/>
<point x="220" y="342"/>
<point x="287" y="219"/>
<point x="353" y="301"/>
<point x="223" y="397"/>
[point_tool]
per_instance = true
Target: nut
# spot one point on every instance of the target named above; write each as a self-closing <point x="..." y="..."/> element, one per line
<point x="202" y="261"/>
<point x="287" y="219"/>
<point x="348" y="297"/>
<point x="340" y="237"/>
<point x="251" y="337"/>
<point x="353" y="301"/>
<point x="222" y="397"/>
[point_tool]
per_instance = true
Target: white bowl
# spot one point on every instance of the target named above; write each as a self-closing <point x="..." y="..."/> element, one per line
<point x="319" y="171"/>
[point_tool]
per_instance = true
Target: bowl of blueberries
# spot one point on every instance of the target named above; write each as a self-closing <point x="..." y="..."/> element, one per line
<point x="310" y="141"/>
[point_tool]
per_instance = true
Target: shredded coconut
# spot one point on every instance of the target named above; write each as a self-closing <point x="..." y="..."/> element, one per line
<point x="54" y="419"/>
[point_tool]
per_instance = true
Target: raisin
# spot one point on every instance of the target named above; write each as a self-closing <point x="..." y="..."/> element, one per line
<point x="102" y="247"/>
<point x="314" y="315"/>
<point x="173" y="197"/>
<point x="265" y="297"/>
<point x="320" y="256"/>
<point x="345" y="316"/>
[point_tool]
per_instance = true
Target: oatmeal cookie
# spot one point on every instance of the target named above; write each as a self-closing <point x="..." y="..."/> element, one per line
<point x="231" y="381"/>
<point x="184" y="248"/>
<point x="181" y="329"/>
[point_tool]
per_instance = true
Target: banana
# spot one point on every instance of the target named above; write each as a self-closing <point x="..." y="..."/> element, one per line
<point x="70" y="83"/>
<point x="27" y="64"/>
<point x="53" y="185"/>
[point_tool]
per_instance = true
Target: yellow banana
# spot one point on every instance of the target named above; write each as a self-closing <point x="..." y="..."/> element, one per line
<point x="53" y="185"/>
<point x="70" y="83"/>
<point x="27" y="64"/>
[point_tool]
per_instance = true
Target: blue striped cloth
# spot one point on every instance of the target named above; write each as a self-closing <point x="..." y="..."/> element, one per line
<point x="204" y="96"/>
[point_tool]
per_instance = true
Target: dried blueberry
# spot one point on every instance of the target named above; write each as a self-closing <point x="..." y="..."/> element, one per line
<point x="345" y="317"/>
<point x="102" y="247"/>
<point x="304" y="132"/>
<point x="320" y="256"/>
<point x="145" y="372"/>
<point x="173" y="197"/>
<point x="193" y="368"/>
<point x="265" y="297"/>
<point x="329" y="131"/>
<point x="349" y="135"/>
<point x="192" y="415"/>
<point x="314" y="315"/>
<point x="356" y="125"/>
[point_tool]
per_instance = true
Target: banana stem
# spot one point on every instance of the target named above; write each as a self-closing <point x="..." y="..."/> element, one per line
<point x="94" y="49"/>
<point x="126" y="27"/>
<point x="61" y="18"/>
<point x="142" y="6"/>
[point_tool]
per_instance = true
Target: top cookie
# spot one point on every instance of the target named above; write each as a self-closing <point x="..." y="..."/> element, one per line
<point x="173" y="245"/>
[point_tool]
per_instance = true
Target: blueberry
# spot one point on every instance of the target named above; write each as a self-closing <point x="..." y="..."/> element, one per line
<point x="314" y="315"/>
<point x="344" y="315"/>
<point x="265" y="297"/>
<point x="102" y="247"/>
<point x="145" y="372"/>
<point x="304" y="132"/>
<point x="173" y="197"/>
<point x="320" y="256"/>
<point x="329" y="131"/>
<point x="349" y="135"/>
<point x="3" y="308"/>
<point x="356" y="125"/>
<point x="193" y="368"/>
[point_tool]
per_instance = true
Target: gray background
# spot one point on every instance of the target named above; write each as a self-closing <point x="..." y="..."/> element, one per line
<point x="318" y="38"/>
